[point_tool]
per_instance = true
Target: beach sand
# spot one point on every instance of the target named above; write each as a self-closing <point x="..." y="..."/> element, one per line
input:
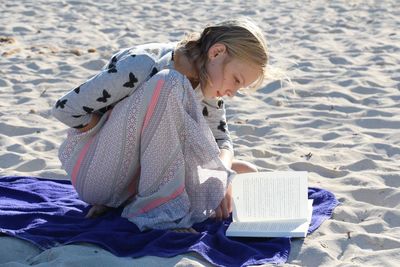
<point x="339" y="118"/>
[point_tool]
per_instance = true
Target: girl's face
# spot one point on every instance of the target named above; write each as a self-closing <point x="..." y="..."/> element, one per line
<point x="227" y="75"/>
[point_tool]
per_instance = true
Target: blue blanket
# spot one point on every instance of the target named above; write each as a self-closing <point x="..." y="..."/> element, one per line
<point x="48" y="213"/>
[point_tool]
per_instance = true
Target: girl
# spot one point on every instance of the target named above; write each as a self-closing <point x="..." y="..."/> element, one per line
<point x="149" y="131"/>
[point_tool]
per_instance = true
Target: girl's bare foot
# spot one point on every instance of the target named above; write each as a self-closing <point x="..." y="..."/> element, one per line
<point x="185" y="230"/>
<point x="96" y="211"/>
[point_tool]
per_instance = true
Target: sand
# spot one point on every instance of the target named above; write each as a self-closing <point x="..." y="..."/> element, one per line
<point x="339" y="118"/>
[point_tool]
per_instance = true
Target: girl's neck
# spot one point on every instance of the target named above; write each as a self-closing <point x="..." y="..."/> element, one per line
<point x="185" y="66"/>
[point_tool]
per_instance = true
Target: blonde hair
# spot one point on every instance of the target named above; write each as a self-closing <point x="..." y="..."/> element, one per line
<point x="243" y="39"/>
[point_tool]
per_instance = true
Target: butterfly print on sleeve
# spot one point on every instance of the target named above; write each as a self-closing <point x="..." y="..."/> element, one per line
<point x="205" y="111"/>
<point x="112" y="67"/>
<point x="132" y="81"/>
<point x="220" y="103"/>
<point x="61" y="103"/>
<point x="153" y="72"/>
<point x="87" y="109"/>
<point x="105" y="109"/>
<point x="104" y="97"/>
<point x="222" y="126"/>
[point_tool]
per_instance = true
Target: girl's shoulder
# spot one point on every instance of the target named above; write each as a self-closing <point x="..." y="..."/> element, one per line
<point x="154" y="50"/>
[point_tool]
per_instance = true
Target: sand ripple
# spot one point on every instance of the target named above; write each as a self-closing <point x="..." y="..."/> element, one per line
<point x="339" y="119"/>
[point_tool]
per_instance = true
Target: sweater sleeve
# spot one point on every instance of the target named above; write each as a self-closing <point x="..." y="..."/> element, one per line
<point x="215" y="114"/>
<point x="118" y="79"/>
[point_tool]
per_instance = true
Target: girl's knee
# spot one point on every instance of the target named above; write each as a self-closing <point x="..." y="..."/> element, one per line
<point x="241" y="166"/>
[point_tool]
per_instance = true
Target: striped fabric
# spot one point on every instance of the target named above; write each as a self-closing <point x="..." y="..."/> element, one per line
<point x="153" y="152"/>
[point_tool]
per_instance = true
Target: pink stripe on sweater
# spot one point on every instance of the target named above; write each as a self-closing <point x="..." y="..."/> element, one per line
<point x="82" y="155"/>
<point x="158" y="202"/>
<point x="132" y="188"/>
<point x="153" y="103"/>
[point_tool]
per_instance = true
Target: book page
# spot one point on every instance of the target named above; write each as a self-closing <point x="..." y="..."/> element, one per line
<point x="270" y="196"/>
<point x="293" y="228"/>
<point x="277" y="228"/>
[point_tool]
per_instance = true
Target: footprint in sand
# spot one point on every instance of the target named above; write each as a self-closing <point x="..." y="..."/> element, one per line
<point x="346" y="83"/>
<point x="391" y="217"/>
<point x="361" y="165"/>
<point x="43" y="145"/>
<point x="32" y="165"/>
<point x="375" y="243"/>
<point x="362" y="90"/>
<point x="29" y="139"/>
<point x="392" y="180"/>
<point x="389" y="150"/>
<point x="264" y="165"/>
<point x="30" y="13"/>
<point x="271" y="87"/>
<point x="365" y="242"/>
<point x="339" y="60"/>
<point x="283" y="149"/>
<point x="11" y="130"/>
<point x="343" y="214"/>
<point x="33" y="66"/>
<point x="9" y="159"/>
<point x="4" y="83"/>
<point x="302" y="81"/>
<point x="16" y="148"/>
<point x="22" y="100"/>
<point x="23" y="29"/>
<point x="262" y="153"/>
<point x="374" y="227"/>
<point x="94" y="64"/>
<point x="383" y="197"/>
<point x="324" y="172"/>
<point x="378" y="123"/>
<point x="330" y="136"/>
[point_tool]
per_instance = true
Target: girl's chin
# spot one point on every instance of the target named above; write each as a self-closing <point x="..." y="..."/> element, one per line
<point x="208" y="94"/>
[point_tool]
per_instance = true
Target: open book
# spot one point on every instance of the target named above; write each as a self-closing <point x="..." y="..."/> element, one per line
<point x="270" y="204"/>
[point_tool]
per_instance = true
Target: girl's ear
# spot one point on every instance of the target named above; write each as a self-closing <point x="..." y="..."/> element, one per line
<point x="216" y="50"/>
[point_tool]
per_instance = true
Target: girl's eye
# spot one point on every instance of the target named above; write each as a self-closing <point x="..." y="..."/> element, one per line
<point x="237" y="81"/>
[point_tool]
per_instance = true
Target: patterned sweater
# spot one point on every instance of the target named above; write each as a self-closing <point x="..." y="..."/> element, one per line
<point x="120" y="77"/>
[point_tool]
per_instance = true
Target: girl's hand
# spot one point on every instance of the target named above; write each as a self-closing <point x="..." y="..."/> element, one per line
<point x="225" y="207"/>
<point x="93" y="122"/>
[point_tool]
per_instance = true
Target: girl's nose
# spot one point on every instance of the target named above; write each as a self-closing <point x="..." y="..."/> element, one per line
<point x="228" y="93"/>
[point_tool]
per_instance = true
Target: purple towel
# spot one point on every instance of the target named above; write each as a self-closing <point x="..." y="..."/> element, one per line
<point x="48" y="213"/>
